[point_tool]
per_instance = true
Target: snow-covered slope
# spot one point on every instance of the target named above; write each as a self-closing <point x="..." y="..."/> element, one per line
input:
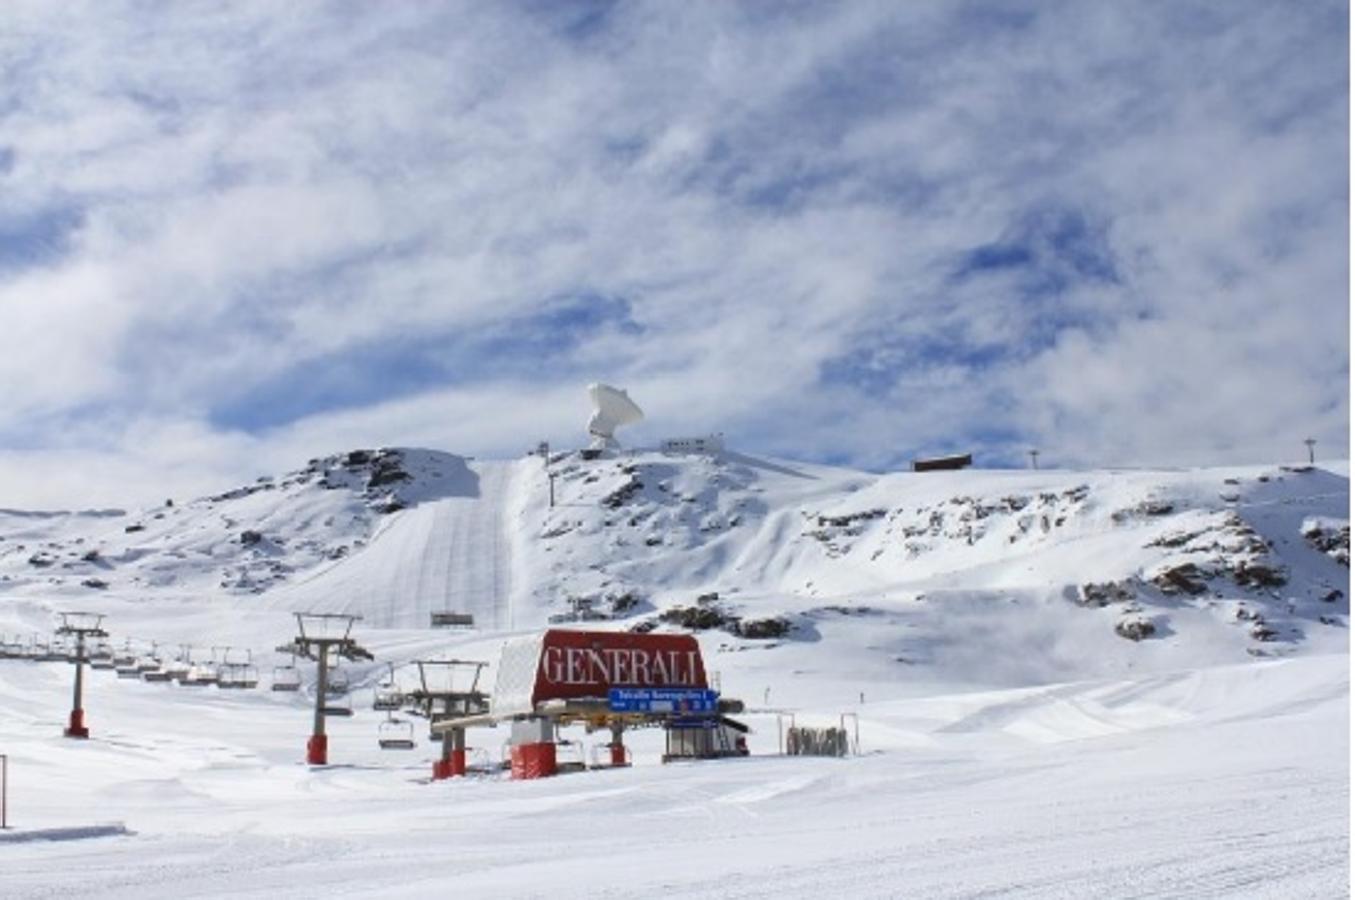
<point x="1066" y="683"/>
<point x="1230" y="782"/>
<point x="978" y="577"/>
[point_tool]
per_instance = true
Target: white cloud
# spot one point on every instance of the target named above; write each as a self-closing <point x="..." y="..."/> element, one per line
<point x="777" y="192"/>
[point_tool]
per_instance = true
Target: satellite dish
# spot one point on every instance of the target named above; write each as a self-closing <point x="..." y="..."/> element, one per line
<point x="612" y="408"/>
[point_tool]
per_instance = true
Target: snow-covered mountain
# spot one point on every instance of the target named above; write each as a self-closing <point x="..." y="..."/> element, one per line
<point x="1065" y="683"/>
<point x="991" y="577"/>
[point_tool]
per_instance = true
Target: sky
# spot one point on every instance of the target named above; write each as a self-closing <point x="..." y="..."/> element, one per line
<point x="237" y="236"/>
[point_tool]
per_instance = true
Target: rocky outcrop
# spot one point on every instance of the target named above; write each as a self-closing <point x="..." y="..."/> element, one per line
<point x="1105" y="593"/>
<point x="1182" y="578"/>
<point x="1135" y="629"/>
<point x="1259" y="575"/>
<point x="1329" y="539"/>
<point x="707" y="615"/>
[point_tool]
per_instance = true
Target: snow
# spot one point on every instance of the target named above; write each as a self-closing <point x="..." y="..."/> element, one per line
<point x="1012" y="742"/>
<point x="1229" y="781"/>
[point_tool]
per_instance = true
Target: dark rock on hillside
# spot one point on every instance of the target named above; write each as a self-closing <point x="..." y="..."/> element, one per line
<point x="619" y="497"/>
<point x="1185" y="578"/>
<point x="1262" y="632"/>
<point x="1257" y="574"/>
<point x="387" y="469"/>
<point x="697" y="618"/>
<point x="850" y="519"/>
<point x="1106" y="593"/>
<point x="249" y="538"/>
<point x="624" y="603"/>
<point x="1146" y="509"/>
<point x="1135" y="629"/>
<point x="762" y="629"/>
<point x="1335" y="542"/>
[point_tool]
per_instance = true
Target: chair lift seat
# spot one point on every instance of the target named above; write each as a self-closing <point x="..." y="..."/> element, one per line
<point x="395" y="734"/>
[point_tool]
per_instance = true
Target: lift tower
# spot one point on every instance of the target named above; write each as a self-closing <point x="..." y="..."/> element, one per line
<point x="449" y="689"/>
<point x="81" y="625"/>
<point x="319" y="636"/>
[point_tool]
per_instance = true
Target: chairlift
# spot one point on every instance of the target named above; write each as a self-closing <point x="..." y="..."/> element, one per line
<point x="49" y="653"/>
<point x="388" y="695"/>
<point x="479" y="760"/>
<point x="126" y="662"/>
<point x="395" y="734"/>
<point x="237" y="676"/>
<point x="125" y="658"/>
<point x="338" y="706"/>
<point x="286" y="678"/>
<point x="569" y="756"/>
<point x="600" y="757"/>
<point x="227" y="677"/>
<point x="337" y="683"/>
<point x="201" y="675"/>
<point x="101" y="657"/>
<point x="148" y="663"/>
<point x="179" y="667"/>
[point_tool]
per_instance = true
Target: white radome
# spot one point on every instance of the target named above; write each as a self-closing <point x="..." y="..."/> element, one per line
<point x="612" y="408"/>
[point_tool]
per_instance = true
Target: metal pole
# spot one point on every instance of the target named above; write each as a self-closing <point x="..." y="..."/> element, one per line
<point x="551" y="476"/>
<point x="4" y="791"/>
<point x="317" y="748"/>
<point x="76" y="728"/>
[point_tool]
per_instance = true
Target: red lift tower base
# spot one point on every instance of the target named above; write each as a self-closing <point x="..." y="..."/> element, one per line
<point x="76" y="728"/>
<point x="452" y="767"/>
<point x="317" y="750"/>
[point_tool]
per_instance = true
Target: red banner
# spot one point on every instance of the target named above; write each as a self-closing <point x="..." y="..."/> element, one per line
<point x="588" y="663"/>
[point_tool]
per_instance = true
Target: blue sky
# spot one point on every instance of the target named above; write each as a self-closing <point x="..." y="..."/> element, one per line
<point x="233" y="237"/>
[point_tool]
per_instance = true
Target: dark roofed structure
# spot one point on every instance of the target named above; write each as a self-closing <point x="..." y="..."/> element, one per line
<point x="943" y="463"/>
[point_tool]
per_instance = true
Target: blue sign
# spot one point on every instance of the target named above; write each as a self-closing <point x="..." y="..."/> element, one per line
<point x="686" y="722"/>
<point x="663" y="700"/>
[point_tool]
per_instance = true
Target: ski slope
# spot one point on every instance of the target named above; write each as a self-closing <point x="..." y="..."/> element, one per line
<point x="1228" y="782"/>
<point x="1014" y="741"/>
<point x="446" y="554"/>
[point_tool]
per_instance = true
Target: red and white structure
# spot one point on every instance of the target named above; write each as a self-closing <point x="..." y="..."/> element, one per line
<point x="560" y="676"/>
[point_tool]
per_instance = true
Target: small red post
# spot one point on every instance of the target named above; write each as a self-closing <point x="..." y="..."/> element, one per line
<point x="317" y="750"/>
<point x="616" y="746"/>
<point x="76" y="728"/>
